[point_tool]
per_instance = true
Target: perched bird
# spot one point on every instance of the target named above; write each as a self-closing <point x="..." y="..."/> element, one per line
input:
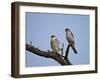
<point x="55" y="44"/>
<point x="70" y="39"/>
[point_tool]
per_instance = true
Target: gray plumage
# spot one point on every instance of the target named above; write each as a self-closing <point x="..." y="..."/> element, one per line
<point x="70" y="39"/>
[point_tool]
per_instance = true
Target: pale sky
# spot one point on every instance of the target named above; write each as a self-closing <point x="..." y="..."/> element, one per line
<point x="39" y="28"/>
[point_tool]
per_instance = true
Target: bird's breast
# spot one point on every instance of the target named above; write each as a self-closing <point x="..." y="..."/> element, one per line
<point x="69" y="37"/>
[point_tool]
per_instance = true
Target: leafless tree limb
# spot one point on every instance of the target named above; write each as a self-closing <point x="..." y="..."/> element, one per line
<point x="67" y="50"/>
<point x="48" y="54"/>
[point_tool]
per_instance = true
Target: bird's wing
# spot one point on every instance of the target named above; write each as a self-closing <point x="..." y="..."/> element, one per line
<point x="72" y="34"/>
<point x="57" y="42"/>
<point x="70" y="37"/>
<point x="54" y="45"/>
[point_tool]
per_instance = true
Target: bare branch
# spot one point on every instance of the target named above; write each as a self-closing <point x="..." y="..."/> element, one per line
<point x="48" y="54"/>
<point x="62" y="49"/>
<point x="67" y="50"/>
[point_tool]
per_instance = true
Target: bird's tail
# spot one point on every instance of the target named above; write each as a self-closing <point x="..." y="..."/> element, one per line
<point x="75" y="51"/>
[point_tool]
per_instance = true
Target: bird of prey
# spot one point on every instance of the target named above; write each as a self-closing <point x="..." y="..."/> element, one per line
<point x="70" y="39"/>
<point x="54" y="44"/>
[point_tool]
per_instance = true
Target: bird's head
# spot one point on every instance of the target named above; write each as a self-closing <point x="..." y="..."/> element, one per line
<point x="67" y="29"/>
<point x="53" y="36"/>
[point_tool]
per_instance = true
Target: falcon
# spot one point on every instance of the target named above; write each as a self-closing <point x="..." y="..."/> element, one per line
<point x="70" y="39"/>
<point x="54" y="44"/>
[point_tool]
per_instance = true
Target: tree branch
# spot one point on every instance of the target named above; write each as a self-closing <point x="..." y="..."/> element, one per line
<point x="48" y="54"/>
<point x="67" y="50"/>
